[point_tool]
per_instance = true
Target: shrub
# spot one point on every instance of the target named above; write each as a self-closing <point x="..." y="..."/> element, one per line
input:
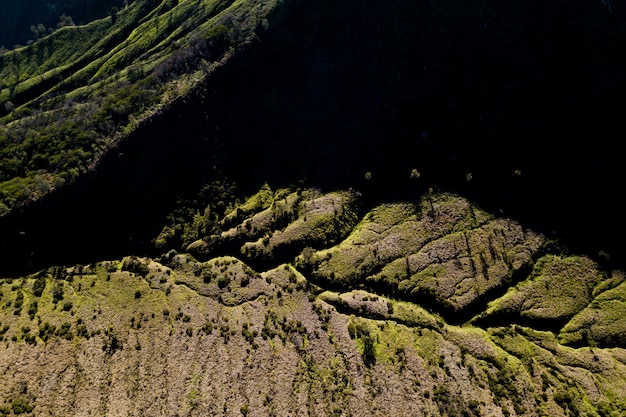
<point x="46" y="330"/>
<point x="134" y="264"/>
<point x="223" y="281"/>
<point x="112" y="343"/>
<point x="21" y="406"/>
<point x="369" y="351"/>
<point x="39" y="286"/>
<point x="81" y="330"/>
<point x="208" y="327"/>
<point x="64" y="331"/>
<point x="19" y="299"/>
<point x="245" y="280"/>
<point x="57" y="293"/>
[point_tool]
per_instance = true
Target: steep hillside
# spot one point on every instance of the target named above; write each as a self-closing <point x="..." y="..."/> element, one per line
<point x="316" y="308"/>
<point x="316" y="207"/>
<point x="72" y="96"/>
<point x="517" y="110"/>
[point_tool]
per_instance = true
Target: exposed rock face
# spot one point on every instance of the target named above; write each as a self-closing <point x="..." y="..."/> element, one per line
<point x="218" y="335"/>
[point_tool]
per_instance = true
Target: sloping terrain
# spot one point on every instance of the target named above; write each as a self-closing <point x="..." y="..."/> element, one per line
<point x="517" y="109"/>
<point x="73" y="95"/>
<point x="432" y="308"/>
<point x="315" y="207"/>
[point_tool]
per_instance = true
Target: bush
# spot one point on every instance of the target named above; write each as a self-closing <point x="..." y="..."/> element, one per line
<point x="32" y="310"/>
<point x="245" y="280"/>
<point x="46" y="330"/>
<point x="223" y="281"/>
<point x="134" y="264"/>
<point x="57" y="293"/>
<point x="112" y="343"/>
<point x="39" y="286"/>
<point x="369" y="351"/>
<point x="64" y="331"/>
<point x="21" y="406"/>
<point x="19" y="299"/>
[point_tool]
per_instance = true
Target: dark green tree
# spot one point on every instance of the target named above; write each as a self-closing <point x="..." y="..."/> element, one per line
<point x="369" y="351"/>
<point x="114" y="11"/>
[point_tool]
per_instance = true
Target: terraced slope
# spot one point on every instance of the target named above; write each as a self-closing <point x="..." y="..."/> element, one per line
<point x="303" y="304"/>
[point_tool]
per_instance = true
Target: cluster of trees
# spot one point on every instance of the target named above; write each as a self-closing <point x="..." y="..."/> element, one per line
<point x="20" y="21"/>
<point x="40" y="30"/>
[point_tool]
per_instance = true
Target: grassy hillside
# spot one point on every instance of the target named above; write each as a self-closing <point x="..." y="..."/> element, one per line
<point x="194" y="333"/>
<point x="71" y="96"/>
<point x="315" y="207"/>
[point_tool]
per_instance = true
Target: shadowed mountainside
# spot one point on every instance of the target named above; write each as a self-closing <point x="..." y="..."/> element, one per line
<point x="518" y="110"/>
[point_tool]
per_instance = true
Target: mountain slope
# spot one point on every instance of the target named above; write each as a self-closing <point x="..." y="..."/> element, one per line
<point x="329" y="92"/>
<point x="96" y="84"/>
<point x="312" y="207"/>
<point x="178" y="335"/>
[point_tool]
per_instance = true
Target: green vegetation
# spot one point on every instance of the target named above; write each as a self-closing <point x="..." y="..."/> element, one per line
<point x="330" y="343"/>
<point x="39" y="18"/>
<point x="556" y="290"/>
<point x="71" y="96"/>
<point x="600" y="323"/>
<point x="295" y="300"/>
<point x="21" y="406"/>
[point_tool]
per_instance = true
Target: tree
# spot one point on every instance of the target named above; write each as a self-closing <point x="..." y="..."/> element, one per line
<point x="65" y="20"/>
<point x="369" y="351"/>
<point x="114" y="11"/>
<point x="38" y="286"/>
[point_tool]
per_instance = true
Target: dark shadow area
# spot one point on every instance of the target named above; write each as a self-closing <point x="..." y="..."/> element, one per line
<point x="114" y="211"/>
<point x="518" y="107"/>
